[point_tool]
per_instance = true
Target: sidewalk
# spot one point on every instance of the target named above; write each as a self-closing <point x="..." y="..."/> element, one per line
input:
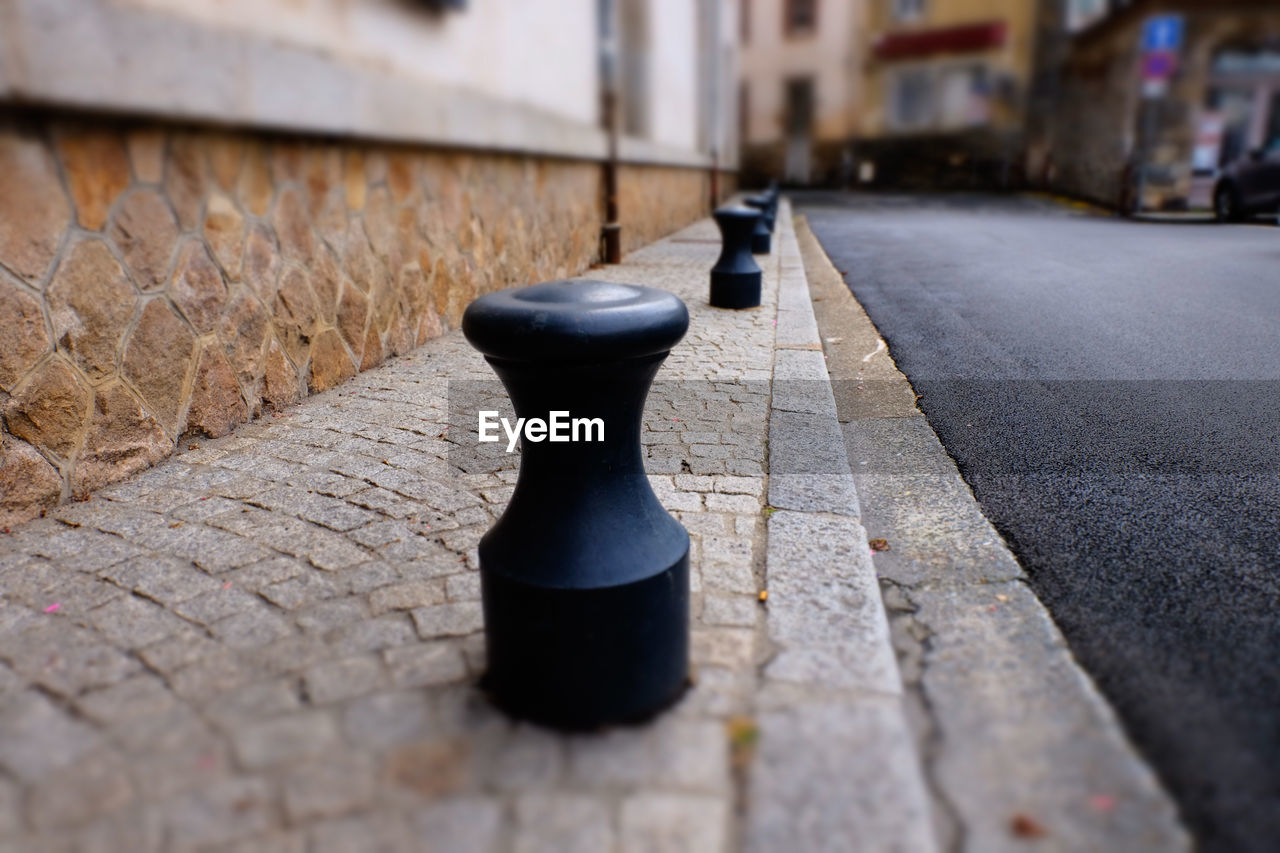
<point x="270" y="641"/>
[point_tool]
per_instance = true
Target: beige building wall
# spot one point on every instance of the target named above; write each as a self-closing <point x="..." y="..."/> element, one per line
<point x="831" y="55"/>
<point x="1009" y="66"/>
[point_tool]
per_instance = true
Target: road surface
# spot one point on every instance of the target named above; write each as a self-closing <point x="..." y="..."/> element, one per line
<point x="1111" y="392"/>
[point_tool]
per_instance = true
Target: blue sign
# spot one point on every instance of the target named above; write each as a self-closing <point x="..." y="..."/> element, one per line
<point x="1163" y="33"/>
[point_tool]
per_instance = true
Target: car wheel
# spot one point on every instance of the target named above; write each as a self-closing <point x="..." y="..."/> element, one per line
<point x="1226" y="204"/>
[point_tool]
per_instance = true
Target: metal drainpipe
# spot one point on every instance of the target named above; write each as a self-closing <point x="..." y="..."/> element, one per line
<point x="611" y="232"/>
<point x="713" y="49"/>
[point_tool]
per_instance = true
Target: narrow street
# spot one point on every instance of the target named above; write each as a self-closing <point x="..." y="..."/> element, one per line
<point x="1110" y="392"/>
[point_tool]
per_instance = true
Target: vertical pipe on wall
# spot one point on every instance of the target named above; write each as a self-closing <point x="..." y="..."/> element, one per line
<point x="611" y="233"/>
<point x="712" y="46"/>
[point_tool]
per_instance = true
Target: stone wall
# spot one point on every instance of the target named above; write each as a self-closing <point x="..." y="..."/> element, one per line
<point x="160" y="283"/>
<point x="656" y="200"/>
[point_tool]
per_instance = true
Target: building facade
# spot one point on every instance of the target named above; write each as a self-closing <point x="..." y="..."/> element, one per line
<point x="1121" y="139"/>
<point x="946" y="90"/>
<point x="800" y="89"/>
<point x="208" y="210"/>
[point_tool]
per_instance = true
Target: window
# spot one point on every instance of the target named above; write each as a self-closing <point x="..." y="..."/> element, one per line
<point x="633" y="65"/>
<point x="744" y="113"/>
<point x="800" y="17"/>
<point x="910" y="99"/>
<point x="964" y="96"/>
<point x="744" y="21"/>
<point x="799" y="107"/>
<point x="907" y="10"/>
<point x="1082" y="13"/>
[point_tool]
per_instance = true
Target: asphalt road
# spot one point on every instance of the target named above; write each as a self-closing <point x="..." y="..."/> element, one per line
<point x="1111" y="392"/>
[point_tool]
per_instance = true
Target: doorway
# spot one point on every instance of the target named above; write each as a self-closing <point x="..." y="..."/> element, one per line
<point x="798" y="162"/>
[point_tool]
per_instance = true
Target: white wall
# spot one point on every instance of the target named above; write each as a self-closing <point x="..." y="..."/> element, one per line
<point x="673" y="72"/>
<point x="511" y="75"/>
<point x="541" y="54"/>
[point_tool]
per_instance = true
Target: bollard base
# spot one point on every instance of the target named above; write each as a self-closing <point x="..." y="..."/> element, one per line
<point x="736" y="289"/>
<point x="585" y="658"/>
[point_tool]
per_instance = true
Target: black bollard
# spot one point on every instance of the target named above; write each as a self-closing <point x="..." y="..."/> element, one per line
<point x="761" y="237"/>
<point x="767" y="205"/>
<point x="736" y="278"/>
<point x="585" y="577"/>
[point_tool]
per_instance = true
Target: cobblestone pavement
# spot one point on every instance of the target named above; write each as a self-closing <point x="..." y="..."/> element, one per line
<point x="270" y="641"/>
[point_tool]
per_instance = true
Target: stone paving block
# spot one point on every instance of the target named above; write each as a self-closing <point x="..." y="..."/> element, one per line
<point x="464" y="823"/>
<point x="1003" y="662"/>
<point x="169" y="729"/>
<point x="262" y="699"/>
<point x="141" y="695"/>
<point x="673" y="823"/>
<point x="385" y="719"/>
<point x="95" y="785"/>
<point x="824" y="605"/>
<point x="806" y="791"/>
<point x="305" y="586"/>
<point x="165" y="580"/>
<point x="744" y="504"/>
<point x="562" y="823"/>
<point x="256" y="626"/>
<point x="37" y="737"/>
<point x="326" y="616"/>
<point x="67" y="669"/>
<point x="463" y="587"/>
<point x="364" y="577"/>
<point x="287" y="738"/>
<point x="448" y="620"/>
<point x="735" y="610"/>
<point x="372" y="635"/>
<point x="338" y="784"/>
<point x="343" y="679"/>
<point x="132" y="622"/>
<point x="332" y="513"/>
<point x="177" y="650"/>
<point x="224" y="811"/>
<point x="219" y="604"/>
<point x="424" y="664"/>
<point x="374" y="831"/>
<point x="217" y="672"/>
<point x="407" y="596"/>
<point x="380" y="533"/>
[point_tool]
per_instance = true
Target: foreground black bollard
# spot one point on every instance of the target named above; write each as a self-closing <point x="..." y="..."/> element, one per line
<point x="585" y="577"/>
<point x="736" y="278"/>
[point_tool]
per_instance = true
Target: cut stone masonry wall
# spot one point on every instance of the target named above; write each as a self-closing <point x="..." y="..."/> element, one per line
<point x="158" y="281"/>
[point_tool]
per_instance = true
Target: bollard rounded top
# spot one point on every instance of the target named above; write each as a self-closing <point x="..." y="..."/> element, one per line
<point x="575" y="321"/>
<point x="731" y="212"/>
<point x="757" y="201"/>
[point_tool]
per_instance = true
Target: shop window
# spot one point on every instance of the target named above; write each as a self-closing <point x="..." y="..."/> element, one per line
<point x="964" y="96"/>
<point x="910" y="99"/>
<point x="907" y="10"/>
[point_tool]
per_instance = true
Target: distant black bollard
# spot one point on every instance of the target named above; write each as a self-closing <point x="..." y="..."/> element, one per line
<point x="585" y="577"/>
<point x="761" y="237"/>
<point x="736" y="278"/>
<point x="768" y="206"/>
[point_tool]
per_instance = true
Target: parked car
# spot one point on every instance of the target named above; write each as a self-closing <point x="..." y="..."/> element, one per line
<point x="1249" y="186"/>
